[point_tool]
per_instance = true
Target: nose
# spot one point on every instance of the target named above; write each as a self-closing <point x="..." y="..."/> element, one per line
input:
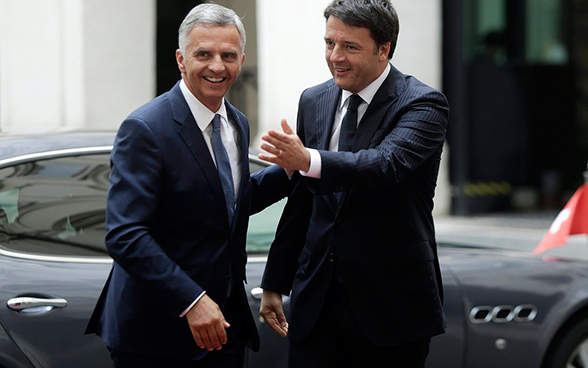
<point x="336" y="54"/>
<point x="216" y="64"/>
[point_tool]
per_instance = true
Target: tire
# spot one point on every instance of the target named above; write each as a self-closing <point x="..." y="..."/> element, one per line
<point x="570" y="350"/>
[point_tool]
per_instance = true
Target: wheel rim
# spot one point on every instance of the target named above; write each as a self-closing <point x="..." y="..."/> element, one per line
<point x="579" y="358"/>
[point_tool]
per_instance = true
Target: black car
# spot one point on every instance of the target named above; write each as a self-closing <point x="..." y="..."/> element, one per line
<point x="505" y="309"/>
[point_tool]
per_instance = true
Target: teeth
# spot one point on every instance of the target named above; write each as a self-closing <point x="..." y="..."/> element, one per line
<point x="214" y="80"/>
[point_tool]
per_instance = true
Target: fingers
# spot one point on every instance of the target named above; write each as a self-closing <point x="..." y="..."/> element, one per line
<point x="271" y="319"/>
<point x="286" y="128"/>
<point x="278" y="324"/>
<point x="272" y="312"/>
<point x="208" y="325"/>
<point x="276" y="138"/>
<point x="198" y="339"/>
<point x="211" y="338"/>
<point x="215" y="335"/>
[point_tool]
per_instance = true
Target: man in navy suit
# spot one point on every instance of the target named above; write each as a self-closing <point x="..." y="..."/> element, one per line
<point x="356" y="242"/>
<point x="177" y="213"/>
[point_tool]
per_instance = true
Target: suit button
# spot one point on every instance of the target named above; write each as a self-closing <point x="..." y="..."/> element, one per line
<point x="331" y="257"/>
<point x="227" y="278"/>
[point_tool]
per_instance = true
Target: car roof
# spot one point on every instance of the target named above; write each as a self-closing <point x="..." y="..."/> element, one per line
<point x="21" y="145"/>
<point x="13" y="145"/>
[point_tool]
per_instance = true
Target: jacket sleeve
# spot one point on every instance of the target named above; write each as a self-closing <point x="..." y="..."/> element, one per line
<point x="418" y="134"/>
<point x="290" y="238"/>
<point x="132" y="201"/>
<point x="268" y="187"/>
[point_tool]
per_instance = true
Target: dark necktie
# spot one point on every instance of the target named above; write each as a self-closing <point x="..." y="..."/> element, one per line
<point x="349" y="123"/>
<point x="223" y="165"/>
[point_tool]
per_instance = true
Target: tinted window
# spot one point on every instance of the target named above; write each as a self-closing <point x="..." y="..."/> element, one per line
<point x="55" y="206"/>
<point x="262" y="226"/>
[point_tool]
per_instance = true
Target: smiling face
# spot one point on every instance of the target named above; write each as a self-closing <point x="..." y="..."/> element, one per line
<point x="352" y="55"/>
<point x="211" y="63"/>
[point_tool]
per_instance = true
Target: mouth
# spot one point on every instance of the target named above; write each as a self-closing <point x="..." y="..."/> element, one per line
<point x="215" y="80"/>
<point x="339" y="71"/>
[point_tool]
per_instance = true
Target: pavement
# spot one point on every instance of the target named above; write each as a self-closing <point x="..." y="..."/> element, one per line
<point x="513" y="231"/>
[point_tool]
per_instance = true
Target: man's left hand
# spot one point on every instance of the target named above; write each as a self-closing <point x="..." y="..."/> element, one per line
<point x="286" y="149"/>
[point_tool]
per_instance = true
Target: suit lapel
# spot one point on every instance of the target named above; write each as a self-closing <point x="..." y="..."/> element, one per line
<point x="327" y="103"/>
<point x="373" y="118"/>
<point x="384" y="99"/>
<point x="243" y="129"/>
<point x="191" y="135"/>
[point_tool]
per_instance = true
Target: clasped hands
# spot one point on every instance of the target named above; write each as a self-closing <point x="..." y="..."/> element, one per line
<point x="285" y="149"/>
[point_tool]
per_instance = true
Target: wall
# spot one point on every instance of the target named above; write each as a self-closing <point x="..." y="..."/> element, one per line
<point x="67" y="64"/>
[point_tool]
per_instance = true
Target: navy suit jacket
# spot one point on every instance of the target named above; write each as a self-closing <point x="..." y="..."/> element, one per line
<point x="168" y="230"/>
<point x="379" y="237"/>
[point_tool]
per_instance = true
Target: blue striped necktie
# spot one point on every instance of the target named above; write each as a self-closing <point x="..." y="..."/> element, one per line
<point x="224" y="166"/>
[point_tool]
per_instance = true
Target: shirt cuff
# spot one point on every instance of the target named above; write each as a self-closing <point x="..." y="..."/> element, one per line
<point x="191" y="305"/>
<point x="314" y="171"/>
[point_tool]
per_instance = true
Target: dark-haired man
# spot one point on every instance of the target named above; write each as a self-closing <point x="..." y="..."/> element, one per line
<point x="356" y="243"/>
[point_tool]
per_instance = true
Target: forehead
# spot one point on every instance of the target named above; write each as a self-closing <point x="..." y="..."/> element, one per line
<point x="336" y="29"/>
<point x="225" y="36"/>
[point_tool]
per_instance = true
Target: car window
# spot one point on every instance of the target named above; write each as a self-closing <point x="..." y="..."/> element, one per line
<point x="55" y="206"/>
<point x="262" y="226"/>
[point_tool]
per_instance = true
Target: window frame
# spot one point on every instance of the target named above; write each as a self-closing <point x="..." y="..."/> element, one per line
<point x="50" y="155"/>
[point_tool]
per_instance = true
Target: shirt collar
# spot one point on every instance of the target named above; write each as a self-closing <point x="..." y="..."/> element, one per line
<point x="201" y="113"/>
<point x="368" y="93"/>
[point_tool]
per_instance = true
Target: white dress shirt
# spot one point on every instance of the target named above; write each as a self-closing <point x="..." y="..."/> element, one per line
<point x="229" y="136"/>
<point x="367" y="94"/>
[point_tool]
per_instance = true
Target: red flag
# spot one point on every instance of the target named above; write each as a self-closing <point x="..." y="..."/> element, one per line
<point x="573" y="219"/>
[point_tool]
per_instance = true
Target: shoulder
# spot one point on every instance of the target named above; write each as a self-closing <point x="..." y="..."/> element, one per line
<point x="153" y="110"/>
<point x="315" y="91"/>
<point x="410" y="87"/>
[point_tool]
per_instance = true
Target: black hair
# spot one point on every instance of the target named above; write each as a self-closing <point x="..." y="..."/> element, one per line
<point x="379" y="16"/>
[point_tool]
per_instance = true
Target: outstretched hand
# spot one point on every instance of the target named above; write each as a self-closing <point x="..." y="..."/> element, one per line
<point x="285" y="149"/>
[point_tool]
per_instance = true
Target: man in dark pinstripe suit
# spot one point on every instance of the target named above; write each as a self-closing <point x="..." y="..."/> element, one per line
<point x="356" y="242"/>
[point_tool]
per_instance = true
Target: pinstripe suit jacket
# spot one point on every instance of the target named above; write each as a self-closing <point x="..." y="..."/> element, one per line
<point x="379" y="237"/>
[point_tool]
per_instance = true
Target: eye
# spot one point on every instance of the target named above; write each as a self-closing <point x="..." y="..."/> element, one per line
<point x="329" y="44"/>
<point x="230" y="56"/>
<point x="201" y="54"/>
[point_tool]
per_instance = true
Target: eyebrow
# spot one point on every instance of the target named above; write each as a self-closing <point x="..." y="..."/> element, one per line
<point x="347" y="43"/>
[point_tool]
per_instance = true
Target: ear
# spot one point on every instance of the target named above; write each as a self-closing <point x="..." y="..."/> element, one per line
<point x="180" y="61"/>
<point x="243" y="59"/>
<point x="383" y="51"/>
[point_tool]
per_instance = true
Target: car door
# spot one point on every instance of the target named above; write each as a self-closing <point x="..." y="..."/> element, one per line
<point x="273" y="352"/>
<point x="52" y="256"/>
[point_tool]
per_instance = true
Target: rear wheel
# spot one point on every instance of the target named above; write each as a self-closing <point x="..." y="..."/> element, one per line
<point x="571" y="349"/>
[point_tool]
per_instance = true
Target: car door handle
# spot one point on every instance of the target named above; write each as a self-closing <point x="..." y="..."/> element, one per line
<point x="256" y="293"/>
<point x="33" y="305"/>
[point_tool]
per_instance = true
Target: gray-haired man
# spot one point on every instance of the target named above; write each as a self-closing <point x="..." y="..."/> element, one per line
<point x="178" y="206"/>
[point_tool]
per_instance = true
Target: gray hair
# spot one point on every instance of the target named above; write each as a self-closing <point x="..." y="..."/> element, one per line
<point x="209" y="14"/>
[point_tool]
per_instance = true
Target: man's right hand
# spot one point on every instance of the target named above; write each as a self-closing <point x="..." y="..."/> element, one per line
<point x="207" y="324"/>
<point x="272" y="312"/>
